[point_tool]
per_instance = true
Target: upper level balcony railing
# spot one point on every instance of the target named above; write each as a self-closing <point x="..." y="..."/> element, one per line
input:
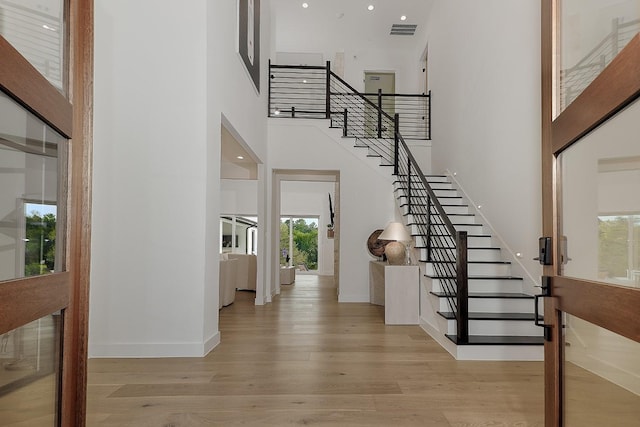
<point x="306" y="92"/>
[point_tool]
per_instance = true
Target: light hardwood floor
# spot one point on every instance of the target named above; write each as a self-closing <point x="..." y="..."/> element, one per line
<point x="307" y="360"/>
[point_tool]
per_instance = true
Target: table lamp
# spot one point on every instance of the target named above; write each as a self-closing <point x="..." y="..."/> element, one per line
<point x="395" y="250"/>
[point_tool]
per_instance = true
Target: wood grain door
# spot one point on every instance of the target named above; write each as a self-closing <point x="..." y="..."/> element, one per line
<point x="591" y="203"/>
<point x="45" y="156"/>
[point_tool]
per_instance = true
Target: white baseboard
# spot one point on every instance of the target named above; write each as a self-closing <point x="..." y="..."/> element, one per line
<point x="343" y="297"/>
<point x="154" y="350"/>
<point x="211" y="343"/>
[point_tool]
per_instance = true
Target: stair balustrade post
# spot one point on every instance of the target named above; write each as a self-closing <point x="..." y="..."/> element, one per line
<point x="379" y="113"/>
<point x="293" y="112"/>
<point x="409" y="210"/>
<point x="428" y="228"/>
<point x="429" y="117"/>
<point x="328" y="91"/>
<point x="344" y="123"/>
<point x="462" y="291"/>
<point x="396" y="142"/>
<point x="269" y="92"/>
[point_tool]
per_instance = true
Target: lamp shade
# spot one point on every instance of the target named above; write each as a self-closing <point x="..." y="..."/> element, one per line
<point x="395" y="231"/>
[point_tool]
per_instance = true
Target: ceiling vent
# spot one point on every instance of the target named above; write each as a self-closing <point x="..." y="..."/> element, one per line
<point x="403" y="29"/>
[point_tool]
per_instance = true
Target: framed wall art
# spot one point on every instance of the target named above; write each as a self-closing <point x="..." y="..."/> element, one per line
<point x="249" y="38"/>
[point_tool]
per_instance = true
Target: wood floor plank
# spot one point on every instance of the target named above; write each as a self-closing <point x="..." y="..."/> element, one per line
<point x="305" y="359"/>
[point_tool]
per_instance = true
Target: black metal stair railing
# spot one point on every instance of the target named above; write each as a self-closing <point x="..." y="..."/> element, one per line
<point x="446" y="247"/>
<point x="305" y="92"/>
<point x="362" y="119"/>
<point x="317" y="93"/>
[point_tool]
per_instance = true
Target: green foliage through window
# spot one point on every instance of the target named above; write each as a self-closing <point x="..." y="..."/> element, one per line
<point x="40" y="242"/>
<point x="305" y="242"/>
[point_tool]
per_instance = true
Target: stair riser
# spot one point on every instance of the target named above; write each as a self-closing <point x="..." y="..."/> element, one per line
<point x="470" y="229"/>
<point x="457" y="221"/>
<point x="446" y="193"/>
<point x="472" y="242"/>
<point x="493" y="305"/>
<point x="497" y="327"/>
<point x="452" y="201"/>
<point x="474" y="269"/>
<point x="473" y="255"/>
<point x="484" y="285"/>
<point x="456" y="209"/>
<point x="441" y="185"/>
<point x="421" y="217"/>
<point x="433" y="179"/>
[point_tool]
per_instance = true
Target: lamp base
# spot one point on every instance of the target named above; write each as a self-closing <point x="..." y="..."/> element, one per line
<point x="395" y="252"/>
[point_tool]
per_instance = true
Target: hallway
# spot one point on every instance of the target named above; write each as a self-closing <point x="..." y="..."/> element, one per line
<point x="305" y="359"/>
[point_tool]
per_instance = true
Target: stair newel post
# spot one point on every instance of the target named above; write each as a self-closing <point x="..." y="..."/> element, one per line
<point x="269" y="92"/>
<point x="409" y="210"/>
<point x="428" y="227"/>
<point x="396" y="142"/>
<point x="328" y="91"/>
<point x="379" y="113"/>
<point x="429" y="116"/>
<point x="344" y="122"/>
<point x="462" y="292"/>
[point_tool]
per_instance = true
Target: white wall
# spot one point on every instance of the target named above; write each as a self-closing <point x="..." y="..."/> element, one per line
<point x="164" y="76"/>
<point x="366" y="194"/>
<point x="239" y="197"/>
<point x="484" y="73"/>
<point x="233" y="97"/>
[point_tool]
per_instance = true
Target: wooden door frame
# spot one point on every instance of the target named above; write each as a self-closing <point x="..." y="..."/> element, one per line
<point x="71" y="116"/>
<point x="614" y="89"/>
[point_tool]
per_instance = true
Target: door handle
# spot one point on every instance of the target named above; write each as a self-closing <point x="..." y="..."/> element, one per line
<point x="546" y="293"/>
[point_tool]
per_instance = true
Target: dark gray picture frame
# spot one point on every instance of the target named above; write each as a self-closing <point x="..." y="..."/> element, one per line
<point x="249" y="38"/>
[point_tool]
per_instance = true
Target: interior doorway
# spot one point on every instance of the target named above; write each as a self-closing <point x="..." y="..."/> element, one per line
<point x="378" y="82"/>
<point x="297" y="195"/>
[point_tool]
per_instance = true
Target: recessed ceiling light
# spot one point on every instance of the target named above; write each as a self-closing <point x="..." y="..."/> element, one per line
<point x="305" y="5"/>
<point x="240" y="158"/>
<point x="403" y="18"/>
<point x="371" y="7"/>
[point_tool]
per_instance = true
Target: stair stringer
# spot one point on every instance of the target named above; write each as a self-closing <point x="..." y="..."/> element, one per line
<point x="346" y="143"/>
<point x="530" y="281"/>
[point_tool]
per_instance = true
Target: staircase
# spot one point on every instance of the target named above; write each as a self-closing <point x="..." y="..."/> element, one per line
<point x="500" y="314"/>
<point x="471" y="303"/>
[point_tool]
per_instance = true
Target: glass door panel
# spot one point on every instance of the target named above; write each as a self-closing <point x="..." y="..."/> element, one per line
<point x="37" y="30"/>
<point x="31" y="244"/>
<point x="29" y="379"/>
<point x="601" y="376"/>
<point x="600" y="219"/>
<point x="592" y="33"/>
<point x="29" y="191"/>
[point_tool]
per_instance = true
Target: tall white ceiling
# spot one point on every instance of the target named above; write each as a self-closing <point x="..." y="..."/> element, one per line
<point x="344" y="23"/>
